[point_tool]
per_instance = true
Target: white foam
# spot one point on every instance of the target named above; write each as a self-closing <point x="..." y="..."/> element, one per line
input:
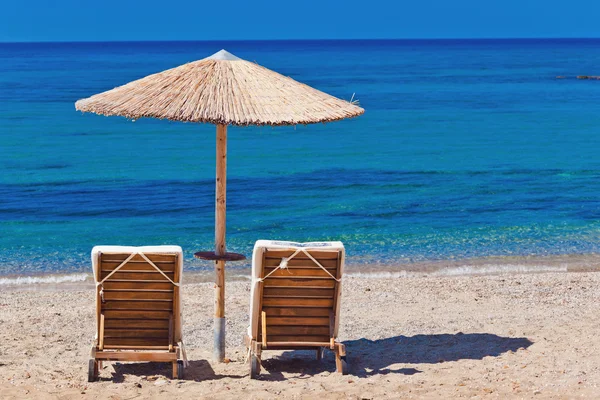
<point x="465" y="270"/>
<point x="32" y="280"/>
<point x="377" y="275"/>
<point x="493" y="269"/>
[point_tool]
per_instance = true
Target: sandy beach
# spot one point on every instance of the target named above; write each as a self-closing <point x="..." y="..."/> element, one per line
<point x="502" y="336"/>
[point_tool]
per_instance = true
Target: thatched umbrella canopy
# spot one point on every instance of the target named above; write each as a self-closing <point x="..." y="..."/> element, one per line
<point x="224" y="90"/>
<point x="221" y="89"/>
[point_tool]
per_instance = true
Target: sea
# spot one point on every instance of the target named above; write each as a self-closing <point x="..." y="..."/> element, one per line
<point x="473" y="156"/>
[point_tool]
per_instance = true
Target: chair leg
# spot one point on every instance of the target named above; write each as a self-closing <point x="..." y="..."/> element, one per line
<point x="255" y="359"/>
<point x="175" y="369"/>
<point x="93" y="365"/>
<point x="179" y="369"/>
<point x="341" y="365"/>
<point x="92" y="370"/>
<point x="319" y="354"/>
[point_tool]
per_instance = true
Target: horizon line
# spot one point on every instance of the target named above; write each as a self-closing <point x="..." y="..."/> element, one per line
<point x="295" y="40"/>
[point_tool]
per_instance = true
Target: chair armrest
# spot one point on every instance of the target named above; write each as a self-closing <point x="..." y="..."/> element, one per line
<point x="264" y="328"/>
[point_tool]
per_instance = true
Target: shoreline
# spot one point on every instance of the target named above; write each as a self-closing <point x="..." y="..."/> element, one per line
<point x="483" y="266"/>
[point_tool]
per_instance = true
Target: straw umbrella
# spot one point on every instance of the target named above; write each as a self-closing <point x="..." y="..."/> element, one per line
<point x="223" y="90"/>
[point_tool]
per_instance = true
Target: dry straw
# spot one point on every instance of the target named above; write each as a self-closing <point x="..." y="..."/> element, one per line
<point x="221" y="89"/>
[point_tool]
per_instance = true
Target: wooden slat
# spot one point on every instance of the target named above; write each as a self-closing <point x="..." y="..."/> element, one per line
<point x="129" y="295"/>
<point x="138" y="265"/>
<point x="299" y="282"/>
<point x="138" y="275"/>
<point x="170" y="332"/>
<point x="295" y="338"/>
<point x="297" y="345"/>
<point x="139" y="341"/>
<point x="136" y="323"/>
<point x="137" y="305"/>
<point x="101" y="332"/>
<point x="135" y="333"/>
<point x="296" y="312"/>
<point x="145" y="314"/>
<point x="137" y="284"/>
<point x="263" y="321"/>
<point x="302" y="263"/>
<point x="135" y="356"/>
<point x="132" y="347"/>
<point x="298" y="272"/>
<point x="107" y="257"/>
<point x="298" y="292"/>
<point x="336" y="297"/>
<point x="331" y="324"/>
<point x="296" y="330"/>
<point x="303" y="321"/>
<point x="296" y="302"/>
<point x="318" y="254"/>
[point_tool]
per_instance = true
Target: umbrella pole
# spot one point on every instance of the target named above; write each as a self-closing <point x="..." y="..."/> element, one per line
<point x="220" y="250"/>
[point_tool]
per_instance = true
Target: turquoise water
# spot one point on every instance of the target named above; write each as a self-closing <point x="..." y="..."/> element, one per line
<point x="467" y="149"/>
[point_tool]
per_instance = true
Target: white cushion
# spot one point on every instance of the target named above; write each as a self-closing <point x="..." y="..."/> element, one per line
<point x="259" y="248"/>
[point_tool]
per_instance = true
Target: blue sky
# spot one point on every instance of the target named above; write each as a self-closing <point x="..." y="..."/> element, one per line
<point x="106" y="20"/>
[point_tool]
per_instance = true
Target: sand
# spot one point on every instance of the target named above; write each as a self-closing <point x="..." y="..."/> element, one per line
<point x="504" y="336"/>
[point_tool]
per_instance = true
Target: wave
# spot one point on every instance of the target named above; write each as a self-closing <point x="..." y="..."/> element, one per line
<point x="464" y="270"/>
<point x="32" y="280"/>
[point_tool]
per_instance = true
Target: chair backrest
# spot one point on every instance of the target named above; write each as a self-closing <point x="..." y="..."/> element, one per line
<point x="138" y="304"/>
<point x="301" y="301"/>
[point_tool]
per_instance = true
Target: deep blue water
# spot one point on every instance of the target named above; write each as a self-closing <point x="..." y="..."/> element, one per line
<point x="468" y="148"/>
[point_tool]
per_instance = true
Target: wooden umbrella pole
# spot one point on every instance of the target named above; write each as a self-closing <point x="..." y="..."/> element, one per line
<point x="220" y="250"/>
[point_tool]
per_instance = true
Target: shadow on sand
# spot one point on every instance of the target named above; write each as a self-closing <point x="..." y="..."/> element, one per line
<point x="197" y="370"/>
<point x="365" y="357"/>
<point x="370" y="357"/>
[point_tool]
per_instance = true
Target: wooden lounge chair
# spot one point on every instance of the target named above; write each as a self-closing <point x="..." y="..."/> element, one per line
<point x="138" y="307"/>
<point x="295" y="300"/>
